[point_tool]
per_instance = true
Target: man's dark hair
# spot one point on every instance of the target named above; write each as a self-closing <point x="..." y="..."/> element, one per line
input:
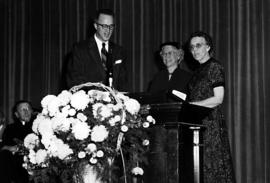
<point x="15" y="107"/>
<point x="104" y="11"/>
<point x="207" y="38"/>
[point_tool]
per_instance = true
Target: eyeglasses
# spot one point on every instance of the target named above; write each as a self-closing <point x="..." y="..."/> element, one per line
<point x="105" y="26"/>
<point x="197" y="46"/>
<point x="170" y="53"/>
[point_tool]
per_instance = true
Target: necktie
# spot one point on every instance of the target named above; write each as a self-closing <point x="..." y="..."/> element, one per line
<point x="104" y="55"/>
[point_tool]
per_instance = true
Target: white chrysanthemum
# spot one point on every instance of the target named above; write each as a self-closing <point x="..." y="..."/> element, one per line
<point x="64" y="97"/>
<point x="124" y="128"/>
<point x="146" y="124"/>
<point x="132" y="106"/>
<point x="81" y="117"/>
<point x="91" y="147"/>
<point x="41" y="156"/>
<point x="93" y="160"/>
<point x="65" y="110"/>
<point x="137" y="171"/>
<point x="46" y="100"/>
<point x="100" y="153"/>
<point x="25" y="158"/>
<point x="79" y="100"/>
<point x="24" y="165"/>
<point x="106" y="111"/>
<point x="80" y="130"/>
<point x="60" y="123"/>
<point x="32" y="157"/>
<point x="99" y="133"/>
<point x="73" y="121"/>
<point x="50" y="105"/>
<point x="101" y="111"/>
<point x="71" y="112"/>
<point x="45" y="127"/>
<point x="36" y="122"/>
<point x="45" y="111"/>
<point x="64" y="151"/>
<point x="146" y="142"/>
<point x="118" y="106"/>
<point x="150" y="119"/>
<point x="31" y="141"/>
<point x="47" y="140"/>
<point x="59" y="149"/>
<point x="81" y="154"/>
<point x="114" y="120"/>
<point x="53" y="106"/>
<point x="95" y="109"/>
<point x="110" y="105"/>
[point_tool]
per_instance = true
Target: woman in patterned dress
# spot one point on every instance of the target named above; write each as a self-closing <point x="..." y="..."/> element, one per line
<point x="207" y="88"/>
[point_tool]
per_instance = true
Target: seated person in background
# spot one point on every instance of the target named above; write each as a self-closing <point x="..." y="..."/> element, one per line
<point x="3" y="125"/>
<point x="172" y="77"/>
<point x="11" y="169"/>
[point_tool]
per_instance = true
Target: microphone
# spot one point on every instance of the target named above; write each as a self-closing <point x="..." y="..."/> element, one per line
<point x="109" y="65"/>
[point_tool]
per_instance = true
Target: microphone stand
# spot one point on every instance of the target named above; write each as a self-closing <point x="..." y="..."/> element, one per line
<point x="110" y="79"/>
<point x="109" y="65"/>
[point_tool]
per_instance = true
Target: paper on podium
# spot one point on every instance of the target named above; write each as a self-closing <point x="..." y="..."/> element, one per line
<point x="179" y="94"/>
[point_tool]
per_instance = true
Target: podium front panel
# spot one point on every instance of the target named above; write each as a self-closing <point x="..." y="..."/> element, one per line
<point x="175" y="164"/>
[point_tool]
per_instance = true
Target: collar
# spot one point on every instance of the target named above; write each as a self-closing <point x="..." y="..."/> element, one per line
<point x="99" y="44"/>
<point x="23" y="123"/>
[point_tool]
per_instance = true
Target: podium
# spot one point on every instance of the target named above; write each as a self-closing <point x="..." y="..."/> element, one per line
<point x="184" y="152"/>
<point x="182" y="159"/>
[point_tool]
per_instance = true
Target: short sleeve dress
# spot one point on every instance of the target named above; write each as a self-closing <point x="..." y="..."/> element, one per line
<point x="217" y="162"/>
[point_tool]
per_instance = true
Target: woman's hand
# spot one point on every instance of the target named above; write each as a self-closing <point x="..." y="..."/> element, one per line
<point x="214" y="101"/>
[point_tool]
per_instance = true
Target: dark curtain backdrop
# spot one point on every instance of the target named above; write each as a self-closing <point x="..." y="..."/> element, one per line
<point x="36" y="37"/>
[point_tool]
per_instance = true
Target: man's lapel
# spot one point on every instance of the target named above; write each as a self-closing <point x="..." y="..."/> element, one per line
<point x="94" y="54"/>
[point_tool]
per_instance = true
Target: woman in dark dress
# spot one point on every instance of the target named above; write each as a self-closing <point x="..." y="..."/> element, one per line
<point x="206" y="88"/>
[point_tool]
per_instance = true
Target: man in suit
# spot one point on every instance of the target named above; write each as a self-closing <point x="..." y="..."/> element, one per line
<point x="88" y="63"/>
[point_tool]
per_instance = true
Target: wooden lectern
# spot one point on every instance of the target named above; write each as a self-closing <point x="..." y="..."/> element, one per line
<point x="183" y="158"/>
<point x="183" y="141"/>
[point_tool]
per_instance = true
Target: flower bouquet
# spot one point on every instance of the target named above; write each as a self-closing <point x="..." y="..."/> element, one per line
<point x="80" y="134"/>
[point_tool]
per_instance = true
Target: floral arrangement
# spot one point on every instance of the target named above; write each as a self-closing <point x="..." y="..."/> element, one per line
<point x="86" y="129"/>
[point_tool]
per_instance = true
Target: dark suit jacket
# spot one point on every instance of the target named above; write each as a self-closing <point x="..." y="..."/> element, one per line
<point x="85" y="65"/>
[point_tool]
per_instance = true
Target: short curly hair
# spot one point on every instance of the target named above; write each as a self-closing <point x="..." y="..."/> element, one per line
<point x="207" y="38"/>
<point x="175" y="45"/>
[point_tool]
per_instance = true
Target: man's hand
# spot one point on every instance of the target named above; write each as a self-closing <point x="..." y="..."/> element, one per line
<point x="12" y="149"/>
